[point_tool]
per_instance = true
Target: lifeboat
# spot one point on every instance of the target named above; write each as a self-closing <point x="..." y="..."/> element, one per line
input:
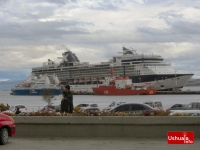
<point x="75" y="80"/>
<point x="26" y="85"/>
<point x="81" y="80"/>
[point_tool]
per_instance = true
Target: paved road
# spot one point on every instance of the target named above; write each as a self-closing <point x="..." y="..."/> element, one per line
<point x="94" y="144"/>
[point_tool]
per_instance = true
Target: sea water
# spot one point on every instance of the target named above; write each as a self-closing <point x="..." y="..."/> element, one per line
<point x="34" y="103"/>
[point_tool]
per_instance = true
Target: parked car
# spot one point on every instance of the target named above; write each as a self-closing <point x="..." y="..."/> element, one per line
<point x="57" y="108"/>
<point x="177" y="107"/>
<point x="7" y="128"/>
<point x="87" y="106"/>
<point x="112" y="105"/>
<point x="157" y="105"/>
<point x="188" y="112"/>
<point x="190" y="106"/>
<point x="133" y="108"/>
<point x="21" y="107"/>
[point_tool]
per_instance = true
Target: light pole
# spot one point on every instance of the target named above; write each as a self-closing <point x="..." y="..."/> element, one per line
<point x="176" y="80"/>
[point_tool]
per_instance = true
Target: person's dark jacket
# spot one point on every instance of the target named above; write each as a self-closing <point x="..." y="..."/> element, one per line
<point x="17" y="112"/>
<point x="65" y="105"/>
<point x="70" y="97"/>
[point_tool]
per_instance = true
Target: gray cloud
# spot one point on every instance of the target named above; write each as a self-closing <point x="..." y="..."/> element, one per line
<point x="41" y="30"/>
<point x="3" y="2"/>
<point x="105" y="5"/>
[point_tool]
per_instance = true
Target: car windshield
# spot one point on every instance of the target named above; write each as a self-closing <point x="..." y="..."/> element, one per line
<point x="112" y="104"/>
<point x="150" y="104"/>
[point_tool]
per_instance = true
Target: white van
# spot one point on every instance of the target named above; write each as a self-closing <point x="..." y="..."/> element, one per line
<point x="156" y="104"/>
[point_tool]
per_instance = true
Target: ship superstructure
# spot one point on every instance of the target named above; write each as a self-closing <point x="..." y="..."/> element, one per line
<point x="141" y="68"/>
<point x="122" y="86"/>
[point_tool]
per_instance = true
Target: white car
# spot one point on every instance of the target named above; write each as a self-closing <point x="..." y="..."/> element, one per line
<point x="189" y="112"/>
<point x="21" y="107"/>
<point x="87" y="105"/>
<point x="157" y="105"/>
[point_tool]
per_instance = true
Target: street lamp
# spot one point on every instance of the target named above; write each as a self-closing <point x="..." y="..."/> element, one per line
<point x="175" y="80"/>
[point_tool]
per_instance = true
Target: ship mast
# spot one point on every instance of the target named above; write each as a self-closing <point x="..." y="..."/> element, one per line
<point x="111" y="72"/>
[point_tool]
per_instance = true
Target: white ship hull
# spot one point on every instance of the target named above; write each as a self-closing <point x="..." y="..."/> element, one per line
<point x="171" y="83"/>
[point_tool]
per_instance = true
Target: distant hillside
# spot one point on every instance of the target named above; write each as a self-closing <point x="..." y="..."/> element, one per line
<point x="192" y="79"/>
<point x="7" y="85"/>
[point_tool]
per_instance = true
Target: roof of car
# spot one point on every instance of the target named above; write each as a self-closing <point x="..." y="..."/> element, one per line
<point x="133" y="104"/>
<point x="152" y="102"/>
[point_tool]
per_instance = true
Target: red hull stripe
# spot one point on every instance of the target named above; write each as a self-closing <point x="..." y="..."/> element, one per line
<point x="111" y="90"/>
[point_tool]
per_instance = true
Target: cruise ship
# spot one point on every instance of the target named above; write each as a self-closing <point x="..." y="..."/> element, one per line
<point x="141" y="68"/>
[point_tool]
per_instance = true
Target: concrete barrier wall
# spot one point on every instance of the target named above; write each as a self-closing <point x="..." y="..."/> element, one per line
<point x="102" y="126"/>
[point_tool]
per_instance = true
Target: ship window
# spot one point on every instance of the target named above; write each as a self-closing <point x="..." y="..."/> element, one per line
<point x="162" y="86"/>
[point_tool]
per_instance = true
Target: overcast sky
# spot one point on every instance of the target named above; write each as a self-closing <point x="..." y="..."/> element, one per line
<point x="32" y="31"/>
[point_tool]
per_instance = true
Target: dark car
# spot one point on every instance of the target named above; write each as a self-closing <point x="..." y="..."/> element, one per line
<point x="7" y="128"/>
<point x="133" y="108"/>
<point x="52" y="107"/>
<point x="177" y="107"/>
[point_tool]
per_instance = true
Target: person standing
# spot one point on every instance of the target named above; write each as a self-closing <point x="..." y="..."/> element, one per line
<point x="70" y="97"/>
<point x="65" y="103"/>
<point x="18" y="111"/>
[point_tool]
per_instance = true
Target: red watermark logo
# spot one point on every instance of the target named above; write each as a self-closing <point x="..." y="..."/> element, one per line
<point x="181" y="137"/>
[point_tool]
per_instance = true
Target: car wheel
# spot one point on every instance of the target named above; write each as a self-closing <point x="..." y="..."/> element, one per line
<point x="4" y="136"/>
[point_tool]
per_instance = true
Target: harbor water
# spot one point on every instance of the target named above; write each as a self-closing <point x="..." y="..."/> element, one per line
<point x="35" y="103"/>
